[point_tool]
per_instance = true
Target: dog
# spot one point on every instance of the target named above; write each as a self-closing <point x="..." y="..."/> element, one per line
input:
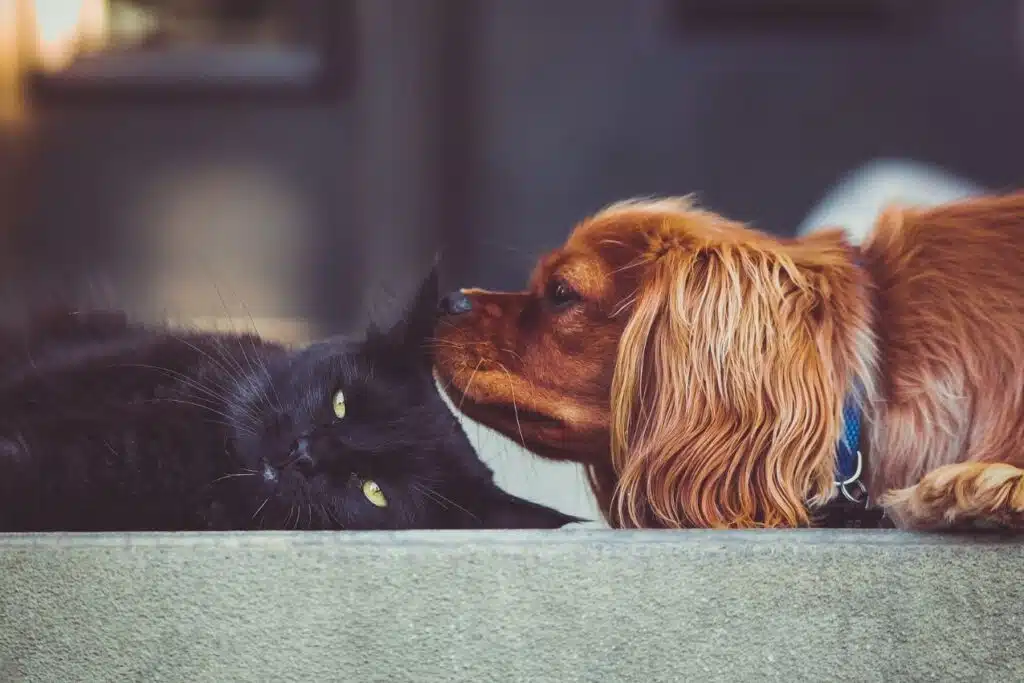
<point x="709" y="375"/>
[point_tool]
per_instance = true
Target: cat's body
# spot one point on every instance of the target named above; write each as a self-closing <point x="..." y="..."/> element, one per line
<point x="110" y="425"/>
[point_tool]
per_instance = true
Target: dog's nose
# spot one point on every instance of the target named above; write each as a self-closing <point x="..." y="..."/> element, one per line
<point x="455" y="303"/>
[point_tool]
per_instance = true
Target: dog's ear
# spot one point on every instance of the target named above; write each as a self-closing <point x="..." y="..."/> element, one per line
<point x="728" y="387"/>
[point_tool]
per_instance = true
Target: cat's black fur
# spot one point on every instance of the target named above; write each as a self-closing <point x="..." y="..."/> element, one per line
<point x="107" y="425"/>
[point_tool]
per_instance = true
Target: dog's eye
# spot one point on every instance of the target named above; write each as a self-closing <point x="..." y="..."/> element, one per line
<point x="560" y="294"/>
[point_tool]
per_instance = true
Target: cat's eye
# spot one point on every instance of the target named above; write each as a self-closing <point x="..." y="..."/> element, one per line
<point x="338" y="403"/>
<point x="373" y="494"/>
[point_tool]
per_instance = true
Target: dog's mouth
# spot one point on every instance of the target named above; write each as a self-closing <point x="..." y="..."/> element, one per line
<point x="496" y="399"/>
<point x="490" y="396"/>
<point x="511" y="415"/>
<point x="541" y="418"/>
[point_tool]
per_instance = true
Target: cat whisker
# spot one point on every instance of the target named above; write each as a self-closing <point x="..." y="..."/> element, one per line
<point x="440" y="497"/>
<point x="230" y="476"/>
<point x="263" y="365"/>
<point x="429" y="493"/>
<point x="248" y="426"/>
<point x="262" y="505"/>
<point x="245" y="379"/>
<point x="219" y="398"/>
<point x="179" y="376"/>
<point x="209" y="357"/>
<point x="241" y="348"/>
<point x="331" y="517"/>
<point x="190" y="403"/>
<point x="105" y="443"/>
<point x="239" y="427"/>
<point x="235" y="372"/>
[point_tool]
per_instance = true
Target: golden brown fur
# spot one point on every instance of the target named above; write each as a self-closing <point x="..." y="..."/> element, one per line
<point x="700" y="374"/>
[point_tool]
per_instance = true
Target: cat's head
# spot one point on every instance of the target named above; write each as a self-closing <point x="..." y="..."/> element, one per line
<point x="355" y="435"/>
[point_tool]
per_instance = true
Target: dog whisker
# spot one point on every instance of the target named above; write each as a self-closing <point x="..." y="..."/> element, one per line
<point x="514" y="355"/>
<point x="457" y="345"/>
<point x="624" y="304"/>
<point x="526" y="255"/>
<point x="515" y="406"/>
<point x="469" y="384"/>
<point x="533" y="385"/>
<point x="636" y="263"/>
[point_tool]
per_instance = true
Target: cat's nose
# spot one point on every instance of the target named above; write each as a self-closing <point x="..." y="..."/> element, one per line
<point x="455" y="303"/>
<point x="300" y="458"/>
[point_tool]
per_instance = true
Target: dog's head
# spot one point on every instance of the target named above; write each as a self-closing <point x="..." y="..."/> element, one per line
<point x="697" y="366"/>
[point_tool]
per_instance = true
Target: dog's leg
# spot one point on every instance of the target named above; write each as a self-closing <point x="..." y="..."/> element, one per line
<point x="964" y="495"/>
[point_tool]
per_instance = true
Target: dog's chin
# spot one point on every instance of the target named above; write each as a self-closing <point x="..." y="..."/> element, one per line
<point x="540" y="433"/>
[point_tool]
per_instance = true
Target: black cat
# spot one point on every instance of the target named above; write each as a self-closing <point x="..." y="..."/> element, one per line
<point x="107" y="425"/>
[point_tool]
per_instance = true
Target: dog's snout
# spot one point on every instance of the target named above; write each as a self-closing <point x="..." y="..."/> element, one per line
<point x="455" y="303"/>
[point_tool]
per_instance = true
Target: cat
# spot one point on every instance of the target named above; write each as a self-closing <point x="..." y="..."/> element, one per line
<point x="112" y="425"/>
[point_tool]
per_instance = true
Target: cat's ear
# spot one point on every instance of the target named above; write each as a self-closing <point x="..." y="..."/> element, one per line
<point x="414" y="329"/>
<point x="502" y="510"/>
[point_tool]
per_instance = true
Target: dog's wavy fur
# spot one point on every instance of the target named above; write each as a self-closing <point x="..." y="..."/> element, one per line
<point x="736" y="351"/>
<point x="724" y="399"/>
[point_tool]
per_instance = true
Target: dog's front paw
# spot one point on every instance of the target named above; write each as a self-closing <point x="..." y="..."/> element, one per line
<point x="962" y="496"/>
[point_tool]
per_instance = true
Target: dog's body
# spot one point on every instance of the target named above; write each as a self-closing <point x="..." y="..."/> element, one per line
<point x="700" y="368"/>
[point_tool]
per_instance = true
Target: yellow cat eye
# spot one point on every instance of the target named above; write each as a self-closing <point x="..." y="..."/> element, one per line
<point x="374" y="494"/>
<point x="339" y="404"/>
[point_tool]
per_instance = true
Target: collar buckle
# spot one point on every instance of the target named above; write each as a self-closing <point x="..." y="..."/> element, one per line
<point x="852" y="487"/>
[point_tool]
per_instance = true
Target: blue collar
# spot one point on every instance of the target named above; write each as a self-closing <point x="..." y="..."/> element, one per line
<point x="849" y="461"/>
<point x="852" y="509"/>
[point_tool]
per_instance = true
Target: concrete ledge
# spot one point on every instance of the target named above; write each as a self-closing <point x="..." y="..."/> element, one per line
<point x="559" y="606"/>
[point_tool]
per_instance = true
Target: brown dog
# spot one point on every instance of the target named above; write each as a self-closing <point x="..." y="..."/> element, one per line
<point x="700" y="368"/>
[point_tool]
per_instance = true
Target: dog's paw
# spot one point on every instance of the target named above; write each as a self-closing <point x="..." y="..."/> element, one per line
<point x="961" y="496"/>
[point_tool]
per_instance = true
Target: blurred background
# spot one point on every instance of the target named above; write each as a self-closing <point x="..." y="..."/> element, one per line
<point x="302" y="160"/>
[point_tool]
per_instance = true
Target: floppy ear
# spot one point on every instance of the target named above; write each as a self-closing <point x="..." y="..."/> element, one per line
<point x="728" y="388"/>
<point x="413" y="330"/>
<point x="497" y="509"/>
